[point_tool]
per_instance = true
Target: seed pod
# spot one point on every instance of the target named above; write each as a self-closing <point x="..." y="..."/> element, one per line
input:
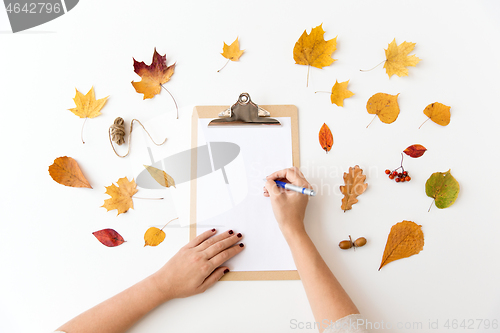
<point x="360" y="242"/>
<point x="345" y="245"/>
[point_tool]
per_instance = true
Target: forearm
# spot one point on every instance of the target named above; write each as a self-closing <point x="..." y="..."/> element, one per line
<point x="120" y="312"/>
<point x="326" y="296"/>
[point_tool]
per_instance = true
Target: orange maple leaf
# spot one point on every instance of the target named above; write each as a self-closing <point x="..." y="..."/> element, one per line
<point x="153" y="76"/>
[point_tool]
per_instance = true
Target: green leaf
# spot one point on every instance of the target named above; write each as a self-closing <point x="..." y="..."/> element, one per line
<point x="160" y="176"/>
<point x="443" y="187"/>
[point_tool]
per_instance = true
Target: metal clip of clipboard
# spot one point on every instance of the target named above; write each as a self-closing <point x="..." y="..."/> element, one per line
<point x="244" y="112"/>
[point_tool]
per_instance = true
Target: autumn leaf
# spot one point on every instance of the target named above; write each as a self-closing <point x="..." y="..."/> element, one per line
<point x="154" y="236"/>
<point x="313" y="50"/>
<point x="438" y="113"/>
<point x="415" y="150"/>
<point x="405" y="239"/>
<point x="160" y="176"/>
<point x="109" y="237"/>
<point x="325" y="138"/>
<point x="67" y="172"/>
<point x="121" y="195"/>
<point x="153" y="76"/>
<point x="231" y="52"/>
<point x="384" y="106"/>
<point x="354" y="186"/>
<point x="87" y="106"/>
<point x="443" y="187"/>
<point x="340" y="92"/>
<point x="397" y="58"/>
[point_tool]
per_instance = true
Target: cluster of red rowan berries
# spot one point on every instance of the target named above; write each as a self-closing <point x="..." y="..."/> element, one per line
<point x="398" y="176"/>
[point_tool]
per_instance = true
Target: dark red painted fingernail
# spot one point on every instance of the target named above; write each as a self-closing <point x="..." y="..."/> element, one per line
<point x="213" y="230"/>
<point x="241" y="245"/>
<point x="239" y="235"/>
<point x="226" y="271"/>
<point x="231" y="232"/>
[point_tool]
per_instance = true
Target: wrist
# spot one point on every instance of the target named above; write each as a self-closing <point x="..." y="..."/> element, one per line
<point x="160" y="288"/>
<point x="290" y="232"/>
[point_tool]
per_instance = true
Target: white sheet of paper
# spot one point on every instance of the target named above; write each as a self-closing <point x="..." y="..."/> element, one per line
<point x="240" y="205"/>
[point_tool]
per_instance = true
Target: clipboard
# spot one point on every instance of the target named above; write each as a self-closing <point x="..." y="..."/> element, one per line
<point x="221" y="112"/>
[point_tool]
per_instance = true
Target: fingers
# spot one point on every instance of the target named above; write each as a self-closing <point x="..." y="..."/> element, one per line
<point x="216" y="275"/>
<point x="213" y="240"/>
<point x="222" y="245"/>
<point x="271" y="189"/>
<point x="293" y="175"/>
<point x="200" y="238"/>
<point x="227" y="254"/>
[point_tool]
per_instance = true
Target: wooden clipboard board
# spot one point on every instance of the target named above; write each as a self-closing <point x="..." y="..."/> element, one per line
<point x="212" y="112"/>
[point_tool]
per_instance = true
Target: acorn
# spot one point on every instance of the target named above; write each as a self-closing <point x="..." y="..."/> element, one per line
<point x="347" y="244"/>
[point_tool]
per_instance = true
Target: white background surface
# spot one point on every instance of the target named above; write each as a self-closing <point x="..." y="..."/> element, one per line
<point x="52" y="268"/>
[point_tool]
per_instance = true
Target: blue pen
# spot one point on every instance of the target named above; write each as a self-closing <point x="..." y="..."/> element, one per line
<point x="291" y="187"/>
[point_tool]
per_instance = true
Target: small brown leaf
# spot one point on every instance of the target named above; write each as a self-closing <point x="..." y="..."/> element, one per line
<point x="66" y="171"/>
<point x="354" y="186"/>
<point x="325" y="138"/>
<point x="160" y="176"/>
<point x="405" y="239"/>
<point x="415" y="150"/>
<point x="109" y="237"/>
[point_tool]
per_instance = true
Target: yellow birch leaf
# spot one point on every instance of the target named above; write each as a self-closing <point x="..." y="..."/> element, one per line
<point x="384" y="106"/>
<point x="340" y="92"/>
<point x="232" y="52"/>
<point x="438" y="113"/>
<point x="160" y="176"/>
<point x="153" y="236"/>
<point x="121" y="195"/>
<point x="397" y="58"/>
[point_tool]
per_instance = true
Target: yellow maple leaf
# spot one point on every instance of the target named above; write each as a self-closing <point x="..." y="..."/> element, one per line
<point x="232" y="52"/>
<point x="86" y="105"/>
<point x="340" y="92"/>
<point x="397" y="58"/>
<point x="313" y="50"/>
<point x="121" y="195"/>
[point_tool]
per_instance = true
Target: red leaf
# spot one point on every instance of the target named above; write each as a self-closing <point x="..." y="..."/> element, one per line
<point x="109" y="237"/>
<point x="415" y="150"/>
<point x="325" y="138"/>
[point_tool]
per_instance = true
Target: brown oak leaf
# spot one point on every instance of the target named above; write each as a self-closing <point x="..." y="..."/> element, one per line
<point x="354" y="186"/>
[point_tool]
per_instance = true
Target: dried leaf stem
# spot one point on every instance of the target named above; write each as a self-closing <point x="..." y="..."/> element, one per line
<point x="367" y="70"/>
<point x="431" y="205"/>
<point x="81" y="134"/>
<point x="148" y="198"/>
<point x="176" y="107"/>
<point x="423" y="123"/>
<point x="227" y="62"/>
<point x="168" y="223"/>
<point x="371" y="121"/>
